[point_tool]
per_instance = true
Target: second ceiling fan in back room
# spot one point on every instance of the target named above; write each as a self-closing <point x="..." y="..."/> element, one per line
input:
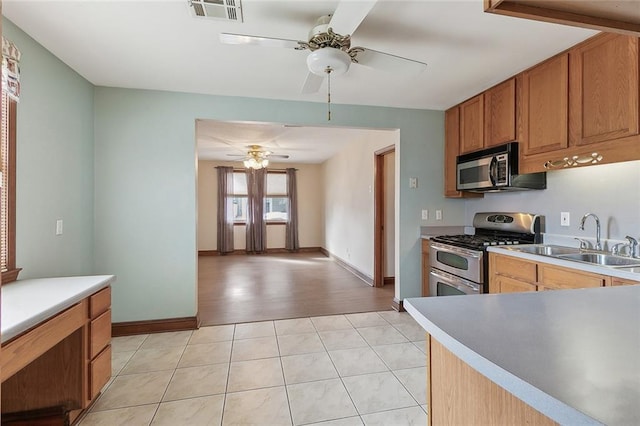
<point x="330" y="44"/>
<point x="257" y="157"/>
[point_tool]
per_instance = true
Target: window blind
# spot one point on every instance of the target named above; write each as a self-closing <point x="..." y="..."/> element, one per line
<point x="4" y="222"/>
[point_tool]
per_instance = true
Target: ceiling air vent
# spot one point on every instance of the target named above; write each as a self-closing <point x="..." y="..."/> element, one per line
<point x="228" y="10"/>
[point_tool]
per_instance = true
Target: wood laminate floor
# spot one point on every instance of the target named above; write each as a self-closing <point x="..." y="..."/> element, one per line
<point x="247" y="288"/>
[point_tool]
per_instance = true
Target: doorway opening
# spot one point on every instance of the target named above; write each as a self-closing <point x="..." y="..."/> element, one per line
<point x="384" y="217"/>
<point x="333" y="271"/>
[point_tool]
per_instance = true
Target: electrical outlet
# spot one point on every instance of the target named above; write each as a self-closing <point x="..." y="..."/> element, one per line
<point x="565" y="219"/>
<point x="425" y="214"/>
<point x="438" y="214"/>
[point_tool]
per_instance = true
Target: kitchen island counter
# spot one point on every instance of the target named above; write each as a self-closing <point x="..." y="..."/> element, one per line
<point x="572" y="355"/>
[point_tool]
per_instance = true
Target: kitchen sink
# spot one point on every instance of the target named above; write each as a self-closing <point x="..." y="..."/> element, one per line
<point x="577" y="255"/>
<point x="601" y="259"/>
<point x="545" y="250"/>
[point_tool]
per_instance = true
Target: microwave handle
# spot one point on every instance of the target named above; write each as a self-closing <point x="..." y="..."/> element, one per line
<point x="493" y="170"/>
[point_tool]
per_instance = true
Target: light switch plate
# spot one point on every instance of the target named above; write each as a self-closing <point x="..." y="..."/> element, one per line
<point x="565" y="219"/>
<point x="59" y="227"/>
<point x="438" y="214"/>
<point x="413" y="182"/>
<point x="425" y="214"/>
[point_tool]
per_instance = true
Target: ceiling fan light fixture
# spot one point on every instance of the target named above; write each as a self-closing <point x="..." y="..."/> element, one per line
<point x="328" y="59"/>
<point x="256" y="163"/>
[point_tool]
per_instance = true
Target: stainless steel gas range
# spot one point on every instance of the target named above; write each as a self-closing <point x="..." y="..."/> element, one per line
<point x="459" y="263"/>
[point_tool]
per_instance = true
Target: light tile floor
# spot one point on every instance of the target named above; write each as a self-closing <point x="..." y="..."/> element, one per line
<point x="354" y="369"/>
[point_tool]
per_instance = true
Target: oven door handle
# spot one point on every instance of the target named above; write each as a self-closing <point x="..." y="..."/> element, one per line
<point x="456" y="282"/>
<point x="455" y="250"/>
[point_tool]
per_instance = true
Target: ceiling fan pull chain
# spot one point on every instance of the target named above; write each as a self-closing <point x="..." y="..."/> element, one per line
<point x="328" y="71"/>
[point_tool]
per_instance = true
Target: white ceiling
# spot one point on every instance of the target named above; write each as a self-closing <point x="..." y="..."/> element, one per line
<point x="160" y="45"/>
<point x="223" y="140"/>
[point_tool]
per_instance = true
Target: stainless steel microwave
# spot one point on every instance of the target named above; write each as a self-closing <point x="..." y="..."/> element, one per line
<point x="495" y="169"/>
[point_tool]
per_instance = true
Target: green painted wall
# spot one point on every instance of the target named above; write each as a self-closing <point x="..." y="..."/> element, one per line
<point x="145" y="187"/>
<point x="54" y="164"/>
<point x="119" y="167"/>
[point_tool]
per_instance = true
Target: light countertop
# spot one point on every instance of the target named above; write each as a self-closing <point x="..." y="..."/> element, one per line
<point x="427" y="232"/>
<point x="26" y="303"/>
<point x="573" y="355"/>
<point x="627" y="273"/>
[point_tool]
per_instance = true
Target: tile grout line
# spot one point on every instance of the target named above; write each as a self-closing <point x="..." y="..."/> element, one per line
<point x="110" y="383"/>
<point x="226" y="386"/>
<point x="284" y="379"/>
<point x="280" y="356"/>
<point x="155" y="413"/>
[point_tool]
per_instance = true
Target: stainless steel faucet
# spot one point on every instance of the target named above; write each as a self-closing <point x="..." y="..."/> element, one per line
<point x="633" y="244"/>
<point x="598" y="245"/>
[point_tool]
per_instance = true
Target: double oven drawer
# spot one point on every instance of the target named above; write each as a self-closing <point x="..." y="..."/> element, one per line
<point x="464" y="263"/>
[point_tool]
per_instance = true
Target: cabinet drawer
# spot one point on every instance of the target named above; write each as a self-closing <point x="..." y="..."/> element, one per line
<point x="99" y="333"/>
<point x="509" y="285"/>
<point x="99" y="302"/>
<point x="622" y="281"/>
<point x="560" y="278"/>
<point x="99" y="372"/>
<point x="516" y="268"/>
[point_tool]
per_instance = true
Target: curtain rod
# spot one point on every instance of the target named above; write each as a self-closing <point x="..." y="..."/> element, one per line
<point x="240" y="169"/>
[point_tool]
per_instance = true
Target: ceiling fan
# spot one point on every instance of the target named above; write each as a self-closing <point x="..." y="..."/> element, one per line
<point x="331" y="51"/>
<point x="257" y="157"/>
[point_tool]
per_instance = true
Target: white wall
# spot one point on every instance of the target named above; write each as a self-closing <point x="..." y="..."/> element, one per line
<point x="611" y="191"/>
<point x="349" y="208"/>
<point x="310" y="206"/>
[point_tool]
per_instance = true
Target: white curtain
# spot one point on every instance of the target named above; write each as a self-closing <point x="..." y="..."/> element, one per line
<point x="225" y="209"/>
<point x="291" y="233"/>
<point x="256" y="225"/>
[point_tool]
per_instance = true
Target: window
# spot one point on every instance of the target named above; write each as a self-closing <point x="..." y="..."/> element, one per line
<point x="8" y="198"/>
<point x="276" y="208"/>
<point x="276" y="204"/>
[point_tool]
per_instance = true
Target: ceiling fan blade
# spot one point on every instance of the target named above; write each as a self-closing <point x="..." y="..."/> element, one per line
<point x="388" y="62"/>
<point x="278" y="156"/>
<point x="349" y="15"/>
<point x="312" y="83"/>
<point x="227" y="38"/>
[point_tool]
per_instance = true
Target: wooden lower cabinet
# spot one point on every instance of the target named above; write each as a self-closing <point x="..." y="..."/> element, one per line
<point x="508" y="274"/>
<point x="621" y="281"/>
<point x="426" y="266"/>
<point x="99" y="372"/>
<point x="558" y="278"/>
<point x="459" y="395"/>
<point x="510" y="285"/>
<point x="61" y="364"/>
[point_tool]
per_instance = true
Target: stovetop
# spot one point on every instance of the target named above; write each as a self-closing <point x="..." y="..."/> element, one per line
<point x="494" y="229"/>
<point x="479" y="242"/>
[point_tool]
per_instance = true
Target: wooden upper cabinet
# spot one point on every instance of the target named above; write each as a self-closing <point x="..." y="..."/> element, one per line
<point x="543" y="112"/>
<point x="472" y="124"/>
<point x="604" y="89"/>
<point x="451" y="151"/>
<point x="500" y="113"/>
